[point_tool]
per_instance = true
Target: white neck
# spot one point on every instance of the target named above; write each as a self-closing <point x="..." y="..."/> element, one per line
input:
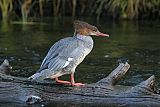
<point x="82" y="37"/>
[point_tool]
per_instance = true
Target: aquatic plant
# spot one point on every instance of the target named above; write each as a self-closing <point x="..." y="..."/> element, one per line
<point x="130" y="9"/>
<point x="41" y="7"/>
<point x="126" y="9"/>
<point x="25" y="8"/>
<point x="6" y="7"/>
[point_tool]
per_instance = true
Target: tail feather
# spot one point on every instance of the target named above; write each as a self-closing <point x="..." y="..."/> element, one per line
<point x="40" y="75"/>
<point x="36" y="77"/>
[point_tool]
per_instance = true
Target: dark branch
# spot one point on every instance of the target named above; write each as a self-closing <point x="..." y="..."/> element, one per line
<point x="115" y="75"/>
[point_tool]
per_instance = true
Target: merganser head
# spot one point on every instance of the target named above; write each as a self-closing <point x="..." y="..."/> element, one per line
<point x="83" y="28"/>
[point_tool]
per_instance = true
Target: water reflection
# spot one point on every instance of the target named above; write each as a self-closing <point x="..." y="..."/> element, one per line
<point x="26" y="45"/>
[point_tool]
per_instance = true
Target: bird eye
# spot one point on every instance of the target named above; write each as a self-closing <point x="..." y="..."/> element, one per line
<point x="95" y="30"/>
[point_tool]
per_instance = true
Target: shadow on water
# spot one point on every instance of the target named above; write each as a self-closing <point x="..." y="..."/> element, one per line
<point x="26" y="45"/>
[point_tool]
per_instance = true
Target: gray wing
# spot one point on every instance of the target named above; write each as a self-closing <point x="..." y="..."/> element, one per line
<point x="55" y="50"/>
<point x="61" y="53"/>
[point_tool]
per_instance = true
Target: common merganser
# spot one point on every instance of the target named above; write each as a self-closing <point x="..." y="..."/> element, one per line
<point x="66" y="54"/>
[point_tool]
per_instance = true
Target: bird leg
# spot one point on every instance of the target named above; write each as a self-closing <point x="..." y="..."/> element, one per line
<point x="73" y="81"/>
<point x="67" y="82"/>
<point x="61" y="81"/>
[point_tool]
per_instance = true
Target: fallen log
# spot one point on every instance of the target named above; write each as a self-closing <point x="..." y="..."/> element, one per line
<point x="104" y="93"/>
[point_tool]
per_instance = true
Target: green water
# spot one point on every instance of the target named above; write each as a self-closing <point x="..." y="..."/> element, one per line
<point x="26" y="45"/>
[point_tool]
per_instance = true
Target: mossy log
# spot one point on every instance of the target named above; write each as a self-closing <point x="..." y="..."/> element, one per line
<point x="104" y="93"/>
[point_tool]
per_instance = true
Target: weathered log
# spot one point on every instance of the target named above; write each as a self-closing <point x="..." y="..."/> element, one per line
<point x="115" y="75"/>
<point x="104" y="92"/>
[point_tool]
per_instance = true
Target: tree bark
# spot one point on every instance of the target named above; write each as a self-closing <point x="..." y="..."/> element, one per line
<point x="103" y="93"/>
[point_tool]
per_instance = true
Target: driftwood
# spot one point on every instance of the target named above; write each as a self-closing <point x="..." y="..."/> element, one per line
<point x="104" y="93"/>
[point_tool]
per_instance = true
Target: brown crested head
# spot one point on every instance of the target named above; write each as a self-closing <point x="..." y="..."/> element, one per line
<point x="83" y="28"/>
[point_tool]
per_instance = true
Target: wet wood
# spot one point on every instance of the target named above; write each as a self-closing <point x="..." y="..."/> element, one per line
<point x="105" y="92"/>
